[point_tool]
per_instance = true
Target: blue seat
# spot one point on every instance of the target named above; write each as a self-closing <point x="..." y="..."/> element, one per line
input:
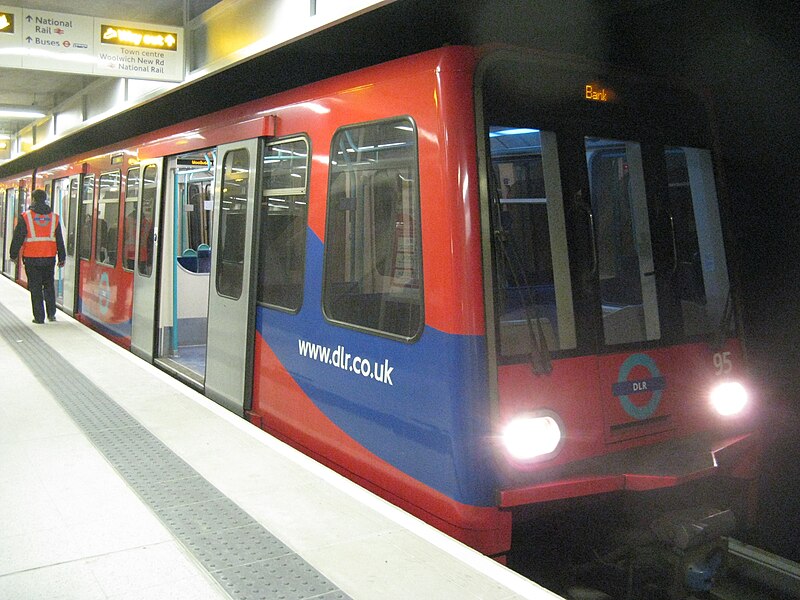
<point x="188" y="260"/>
<point x="204" y="258"/>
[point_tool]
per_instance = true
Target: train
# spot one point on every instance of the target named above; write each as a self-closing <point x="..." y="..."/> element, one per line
<point x="479" y="281"/>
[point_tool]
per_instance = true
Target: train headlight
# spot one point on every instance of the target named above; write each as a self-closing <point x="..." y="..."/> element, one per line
<point x="531" y="436"/>
<point x="729" y="398"/>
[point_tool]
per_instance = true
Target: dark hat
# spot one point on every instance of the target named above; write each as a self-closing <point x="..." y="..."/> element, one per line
<point x="39" y="197"/>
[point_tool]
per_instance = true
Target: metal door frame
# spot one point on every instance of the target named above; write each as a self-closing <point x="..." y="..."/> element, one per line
<point x="231" y="322"/>
<point x="69" y="272"/>
<point x="145" y="287"/>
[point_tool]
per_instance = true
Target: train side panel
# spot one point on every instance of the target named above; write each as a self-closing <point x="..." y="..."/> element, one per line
<point x="413" y="424"/>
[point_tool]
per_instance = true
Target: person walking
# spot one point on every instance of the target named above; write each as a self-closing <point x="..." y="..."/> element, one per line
<point x="38" y="239"/>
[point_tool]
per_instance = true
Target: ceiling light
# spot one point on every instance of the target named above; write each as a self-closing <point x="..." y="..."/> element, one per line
<point x="18" y="113"/>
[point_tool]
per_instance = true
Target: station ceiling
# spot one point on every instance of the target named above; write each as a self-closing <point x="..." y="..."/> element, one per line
<point x="43" y="90"/>
<point x="746" y="52"/>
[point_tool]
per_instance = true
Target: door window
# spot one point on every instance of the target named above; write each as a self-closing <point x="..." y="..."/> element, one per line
<point x="232" y="226"/>
<point x="87" y="212"/>
<point x="72" y="215"/>
<point x="624" y="253"/>
<point x="700" y="267"/>
<point x="129" y="219"/>
<point x="149" y="190"/>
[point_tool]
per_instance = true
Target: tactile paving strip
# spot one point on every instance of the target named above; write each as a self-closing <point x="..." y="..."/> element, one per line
<point x="238" y="552"/>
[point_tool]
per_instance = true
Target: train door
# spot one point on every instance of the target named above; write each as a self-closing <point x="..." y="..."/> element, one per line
<point x="65" y="202"/>
<point x="11" y="213"/>
<point x="185" y="272"/>
<point x="147" y="244"/>
<point x="231" y="304"/>
<point x="58" y="191"/>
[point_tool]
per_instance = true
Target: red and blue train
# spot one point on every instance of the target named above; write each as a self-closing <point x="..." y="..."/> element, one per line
<point x="476" y="280"/>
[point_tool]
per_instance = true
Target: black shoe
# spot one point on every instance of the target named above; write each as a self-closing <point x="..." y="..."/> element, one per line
<point x="53" y="318"/>
<point x="38" y="322"/>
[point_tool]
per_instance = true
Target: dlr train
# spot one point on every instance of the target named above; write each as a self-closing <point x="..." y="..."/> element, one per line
<point x="479" y="281"/>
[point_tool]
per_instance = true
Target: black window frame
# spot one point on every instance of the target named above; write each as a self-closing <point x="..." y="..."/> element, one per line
<point x="265" y="261"/>
<point x="344" y="203"/>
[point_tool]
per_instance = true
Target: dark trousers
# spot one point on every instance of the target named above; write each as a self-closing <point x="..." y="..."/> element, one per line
<point x="43" y="292"/>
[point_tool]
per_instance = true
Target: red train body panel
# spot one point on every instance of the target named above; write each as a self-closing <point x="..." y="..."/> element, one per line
<point x="606" y="347"/>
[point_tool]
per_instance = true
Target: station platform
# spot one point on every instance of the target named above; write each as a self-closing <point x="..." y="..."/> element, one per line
<point x="119" y="482"/>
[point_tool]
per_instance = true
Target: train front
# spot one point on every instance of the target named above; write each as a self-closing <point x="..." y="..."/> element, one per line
<point x="615" y="362"/>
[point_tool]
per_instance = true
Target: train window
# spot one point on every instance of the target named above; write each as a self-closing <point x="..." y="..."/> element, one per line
<point x="284" y="212"/>
<point x="129" y="219"/>
<point x="232" y="226"/>
<point x="700" y="269"/>
<point x="533" y="290"/>
<point x="373" y="254"/>
<point x="106" y="232"/>
<point x="624" y="250"/>
<point x="87" y="213"/>
<point x="72" y="215"/>
<point x="149" y="191"/>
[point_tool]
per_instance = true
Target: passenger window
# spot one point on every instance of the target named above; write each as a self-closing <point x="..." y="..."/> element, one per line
<point x="284" y="211"/>
<point x="106" y="233"/>
<point x="700" y="270"/>
<point x="72" y="215"/>
<point x="87" y="214"/>
<point x="373" y="254"/>
<point x="232" y="226"/>
<point x="129" y="220"/>
<point x="149" y="190"/>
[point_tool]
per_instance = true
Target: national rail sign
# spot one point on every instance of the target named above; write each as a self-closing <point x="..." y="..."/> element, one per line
<point x="139" y="51"/>
<point x="56" y="41"/>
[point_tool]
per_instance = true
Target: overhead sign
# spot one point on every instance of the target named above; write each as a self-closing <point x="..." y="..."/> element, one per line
<point x="56" y="41"/>
<point x="139" y="51"/>
<point x="7" y="22"/>
<point x="138" y="38"/>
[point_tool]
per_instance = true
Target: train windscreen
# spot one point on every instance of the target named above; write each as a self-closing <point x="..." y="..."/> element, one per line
<point x="604" y="212"/>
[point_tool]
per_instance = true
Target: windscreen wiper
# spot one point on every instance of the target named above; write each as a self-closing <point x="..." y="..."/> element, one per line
<point x="540" y="353"/>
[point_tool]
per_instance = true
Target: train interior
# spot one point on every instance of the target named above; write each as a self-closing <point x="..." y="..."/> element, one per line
<point x="186" y="263"/>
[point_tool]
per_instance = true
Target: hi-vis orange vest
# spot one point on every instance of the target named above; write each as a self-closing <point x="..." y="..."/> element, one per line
<point x="41" y="239"/>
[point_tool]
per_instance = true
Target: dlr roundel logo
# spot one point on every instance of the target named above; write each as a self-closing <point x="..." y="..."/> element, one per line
<point x="639" y="374"/>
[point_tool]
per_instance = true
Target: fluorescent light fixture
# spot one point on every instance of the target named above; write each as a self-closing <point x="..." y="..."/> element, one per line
<point x="515" y="131"/>
<point x="17" y="113"/>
